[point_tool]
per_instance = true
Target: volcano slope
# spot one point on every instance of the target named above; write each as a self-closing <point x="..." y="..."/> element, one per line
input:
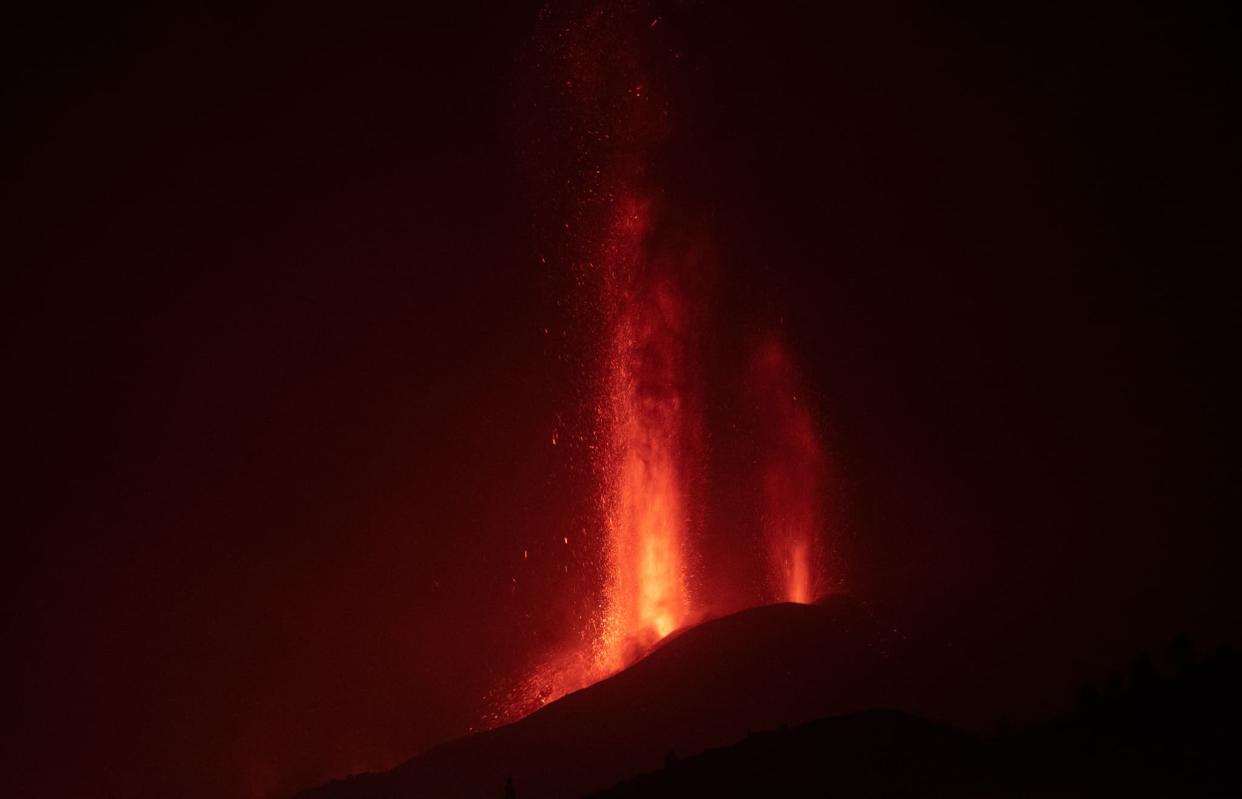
<point x="706" y="686"/>
<point x="1170" y="734"/>
<point x="781" y="700"/>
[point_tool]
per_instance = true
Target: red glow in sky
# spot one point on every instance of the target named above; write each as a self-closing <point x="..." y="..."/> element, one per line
<point x="367" y="365"/>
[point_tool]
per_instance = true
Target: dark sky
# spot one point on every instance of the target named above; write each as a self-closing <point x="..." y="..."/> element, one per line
<point x="281" y="395"/>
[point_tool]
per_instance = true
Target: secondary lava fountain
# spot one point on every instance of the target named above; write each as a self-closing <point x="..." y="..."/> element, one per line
<point x="793" y="476"/>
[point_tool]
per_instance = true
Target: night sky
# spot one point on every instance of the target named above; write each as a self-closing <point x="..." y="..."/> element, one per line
<point x="291" y="322"/>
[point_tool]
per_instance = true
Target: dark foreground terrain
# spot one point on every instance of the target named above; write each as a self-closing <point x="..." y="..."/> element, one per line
<point x="1175" y="735"/>
<point x="687" y="718"/>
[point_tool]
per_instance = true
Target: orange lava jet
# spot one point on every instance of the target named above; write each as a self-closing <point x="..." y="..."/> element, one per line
<point x="646" y="423"/>
<point x="792" y="460"/>
<point x="643" y="413"/>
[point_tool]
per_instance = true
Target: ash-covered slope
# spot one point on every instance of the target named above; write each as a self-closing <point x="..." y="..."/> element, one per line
<point x="708" y="686"/>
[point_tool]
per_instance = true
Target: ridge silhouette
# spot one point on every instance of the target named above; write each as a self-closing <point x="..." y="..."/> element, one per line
<point x="821" y="678"/>
<point x="703" y="686"/>
<point x="1171" y="734"/>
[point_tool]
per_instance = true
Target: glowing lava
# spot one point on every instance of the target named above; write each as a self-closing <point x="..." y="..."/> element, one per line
<point x="792" y="461"/>
<point x="643" y="413"/>
<point x="645" y="426"/>
<point x="598" y="125"/>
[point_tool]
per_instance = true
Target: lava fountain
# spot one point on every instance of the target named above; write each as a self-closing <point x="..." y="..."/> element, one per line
<point x="793" y="477"/>
<point x="599" y="121"/>
<point x="646" y="428"/>
<point x="599" y="116"/>
<point x="644" y="414"/>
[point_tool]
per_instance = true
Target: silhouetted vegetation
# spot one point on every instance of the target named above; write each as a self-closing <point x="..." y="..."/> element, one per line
<point x="1162" y="732"/>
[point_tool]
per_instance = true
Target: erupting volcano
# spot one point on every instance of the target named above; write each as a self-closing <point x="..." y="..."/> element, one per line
<point x="622" y="396"/>
<point x="641" y="275"/>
